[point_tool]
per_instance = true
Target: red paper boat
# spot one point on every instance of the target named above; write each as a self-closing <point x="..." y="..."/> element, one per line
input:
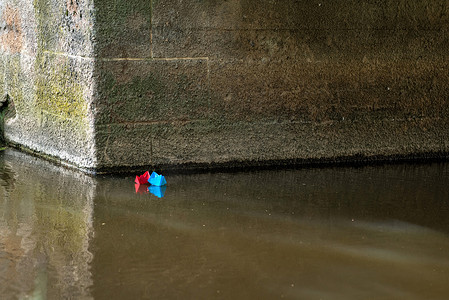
<point x="142" y="179"/>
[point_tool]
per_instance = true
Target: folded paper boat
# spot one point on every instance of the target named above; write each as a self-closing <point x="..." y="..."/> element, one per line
<point x="157" y="180"/>
<point x="142" y="179"/>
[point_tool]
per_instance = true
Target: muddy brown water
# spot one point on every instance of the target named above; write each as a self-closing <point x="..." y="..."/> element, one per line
<point x="374" y="232"/>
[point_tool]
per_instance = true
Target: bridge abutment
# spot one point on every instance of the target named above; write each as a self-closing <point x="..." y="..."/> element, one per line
<point x="125" y="84"/>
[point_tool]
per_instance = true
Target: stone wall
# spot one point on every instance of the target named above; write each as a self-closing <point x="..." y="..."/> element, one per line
<point x="204" y="82"/>
<point x="46" y="67"/>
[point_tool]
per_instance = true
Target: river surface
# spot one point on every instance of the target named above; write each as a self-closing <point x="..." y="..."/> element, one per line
<point x="374" y="232"/>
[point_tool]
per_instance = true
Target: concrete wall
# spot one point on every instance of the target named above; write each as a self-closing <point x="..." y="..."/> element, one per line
<point x="204" y="81"/>
<point x="46" y="67"/>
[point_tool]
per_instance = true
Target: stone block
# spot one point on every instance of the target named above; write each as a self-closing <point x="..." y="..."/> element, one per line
<point x="52" y="108"/>
<point x="123" y="28"/>
<point x="154" y="90"/>
<point x="65" y="27"/>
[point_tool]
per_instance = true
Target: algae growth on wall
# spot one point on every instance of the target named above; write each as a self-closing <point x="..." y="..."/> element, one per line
<point x="119" y="84"/>
<point x="47" y="68"/>
<point x="270" y="81"/>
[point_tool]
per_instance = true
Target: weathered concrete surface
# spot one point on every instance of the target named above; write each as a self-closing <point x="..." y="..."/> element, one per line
<point x="43" y="47"/>
<point x="169" y="83"/>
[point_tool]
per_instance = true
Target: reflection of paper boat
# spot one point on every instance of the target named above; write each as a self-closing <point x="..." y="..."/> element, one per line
<point x="157" y="180"/>
<point x="158" y="191"/>
<point x="141" y="189"/>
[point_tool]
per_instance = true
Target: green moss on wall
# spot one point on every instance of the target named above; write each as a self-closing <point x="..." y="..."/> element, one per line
<point x="2" y="76"/>
<point x="14" y="81"/>
<point x="136" y="100"/>
<point x="47" y="32"/>
<point x="58" y="90"/>
<point x="157" y="92"/>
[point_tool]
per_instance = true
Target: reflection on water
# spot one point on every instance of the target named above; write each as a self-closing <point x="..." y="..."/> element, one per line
<point x="338" y="233"/>
<point x="158" y="191"/>
<point x="45" y="227"/>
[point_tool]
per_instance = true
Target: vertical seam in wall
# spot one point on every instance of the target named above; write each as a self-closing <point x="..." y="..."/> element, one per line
<point x="151" y="28"/>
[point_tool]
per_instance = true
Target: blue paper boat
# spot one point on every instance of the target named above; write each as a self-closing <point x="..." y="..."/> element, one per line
<point x="157" y="180"/>
<point x="158" y="191"/>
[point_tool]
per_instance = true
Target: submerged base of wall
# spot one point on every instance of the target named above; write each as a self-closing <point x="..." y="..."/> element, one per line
<point x="237" y="166"/>
<point x="209" y="146"/>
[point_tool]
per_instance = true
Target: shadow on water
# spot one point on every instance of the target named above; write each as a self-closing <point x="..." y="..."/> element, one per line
<point x="337" y="233"/>
<point x="7" y="111"/>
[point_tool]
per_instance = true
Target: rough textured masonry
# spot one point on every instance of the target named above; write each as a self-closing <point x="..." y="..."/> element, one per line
<point x="103" y="84"/>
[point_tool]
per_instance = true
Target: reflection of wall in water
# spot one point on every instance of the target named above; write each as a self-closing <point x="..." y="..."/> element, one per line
<point x="45" y="227"/>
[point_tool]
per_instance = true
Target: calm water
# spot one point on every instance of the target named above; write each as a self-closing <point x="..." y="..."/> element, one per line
<point x="338" y="233"/>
